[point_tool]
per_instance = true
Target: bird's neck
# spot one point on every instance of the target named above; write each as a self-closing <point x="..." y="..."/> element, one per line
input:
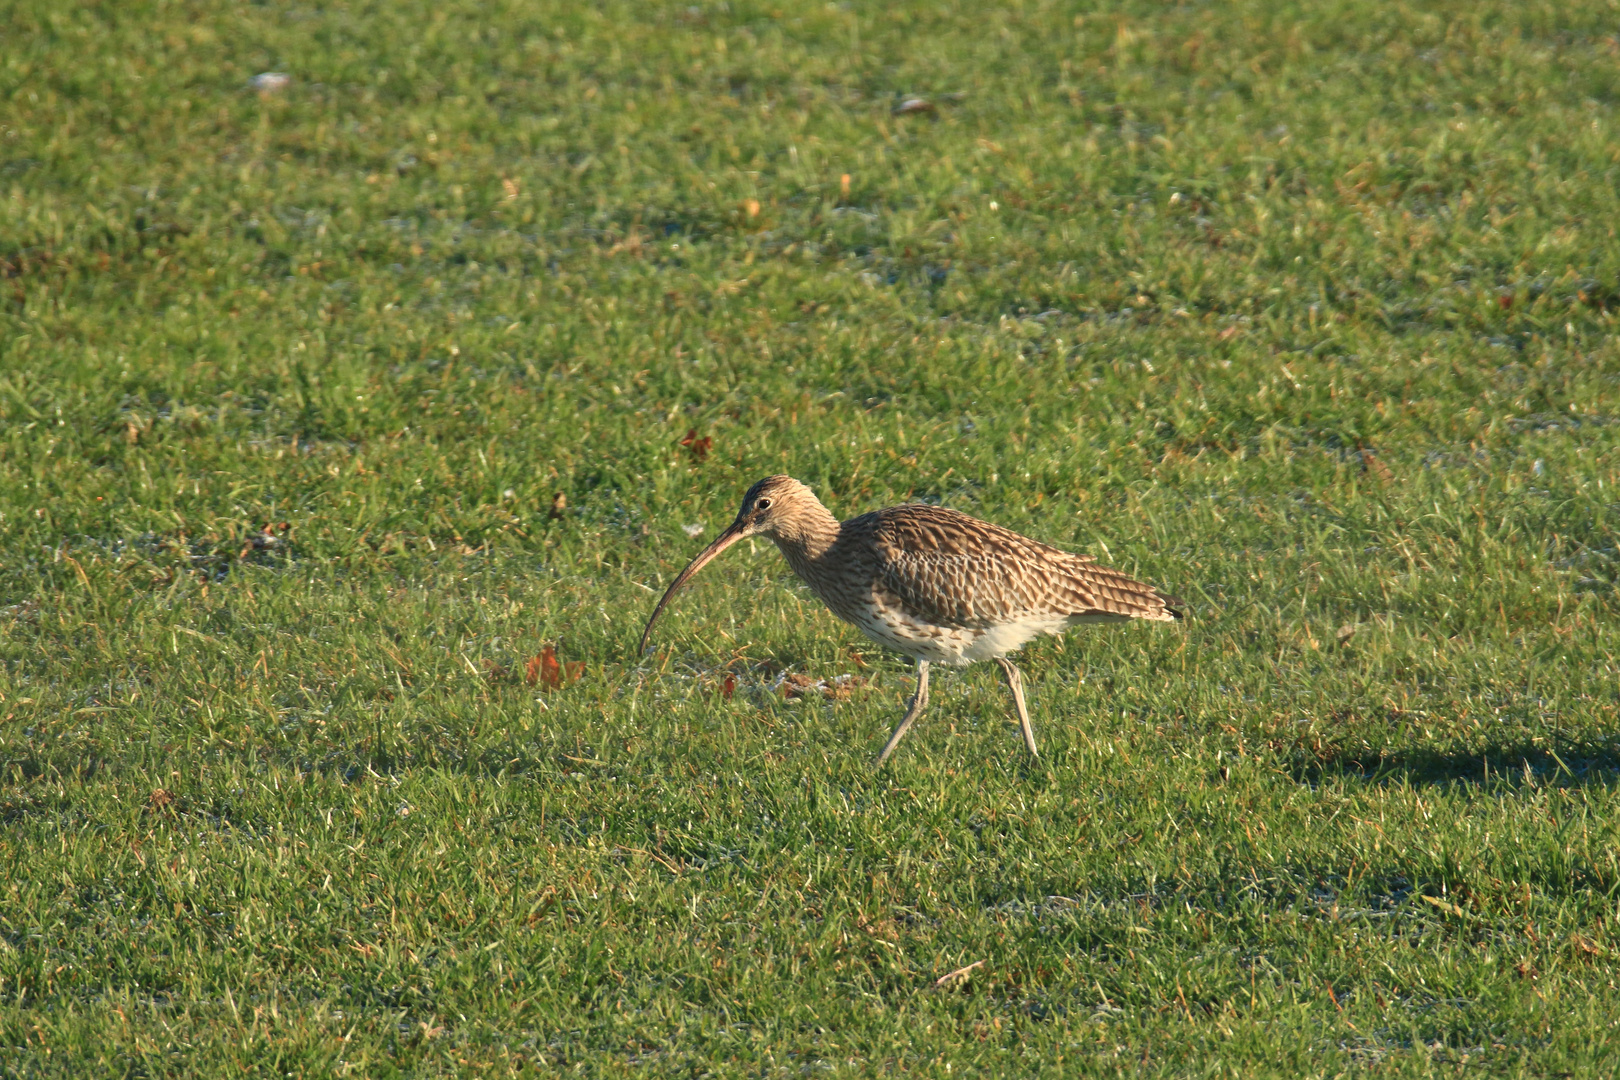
<point x="808" y="536"/>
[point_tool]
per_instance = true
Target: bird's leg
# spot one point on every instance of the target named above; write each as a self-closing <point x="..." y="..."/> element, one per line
<point x="919" y="702"/>
<point x="1015" y="683"/>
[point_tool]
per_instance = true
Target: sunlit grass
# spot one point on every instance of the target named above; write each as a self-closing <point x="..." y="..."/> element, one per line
<point x="324" y="412"/>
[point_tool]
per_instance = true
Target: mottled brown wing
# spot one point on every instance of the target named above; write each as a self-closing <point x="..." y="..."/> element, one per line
<point x="954" y="570"/>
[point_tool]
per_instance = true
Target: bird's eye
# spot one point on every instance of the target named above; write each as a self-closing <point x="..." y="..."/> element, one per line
<point x="762" y="504"/>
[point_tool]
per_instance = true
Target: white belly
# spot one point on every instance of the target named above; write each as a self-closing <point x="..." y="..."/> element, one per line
<point x="954" y="646"/>
<point x="1009" y="637"/>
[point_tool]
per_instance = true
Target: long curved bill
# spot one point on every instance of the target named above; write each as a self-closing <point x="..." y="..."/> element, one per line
<point x="721" y="542"/>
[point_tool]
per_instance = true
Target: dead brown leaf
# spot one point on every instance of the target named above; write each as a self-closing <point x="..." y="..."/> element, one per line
<point x="794" y="685"/>
<point x="878" y="928"/>
<point x="1371" y="464"/>
<point x="1587" y="945"/>
<point x="698" y="448"/>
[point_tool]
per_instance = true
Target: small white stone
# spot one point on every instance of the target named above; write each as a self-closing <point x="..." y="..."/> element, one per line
<point x="269" y="82"/>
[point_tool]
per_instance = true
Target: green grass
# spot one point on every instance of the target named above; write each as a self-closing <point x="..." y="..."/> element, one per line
<point x="1303" y="311"/>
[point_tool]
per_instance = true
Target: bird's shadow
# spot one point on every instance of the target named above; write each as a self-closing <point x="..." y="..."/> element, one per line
<point x="1562" y="762"/>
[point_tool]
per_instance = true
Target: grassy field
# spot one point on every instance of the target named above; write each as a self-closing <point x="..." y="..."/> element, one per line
<point x="349" y="429"/>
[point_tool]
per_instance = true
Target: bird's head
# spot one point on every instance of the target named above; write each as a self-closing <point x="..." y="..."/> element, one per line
<point x="778" y="507"/>
<point x="773" y="507"/>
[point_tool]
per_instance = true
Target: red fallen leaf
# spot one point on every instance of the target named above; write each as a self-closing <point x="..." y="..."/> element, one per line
<point x="729" y="687"/>
<point x="545" y="670"/>
<point x="1504" y="302"/>
<point x="699" y="447"/>
<point x="549" y="672"/>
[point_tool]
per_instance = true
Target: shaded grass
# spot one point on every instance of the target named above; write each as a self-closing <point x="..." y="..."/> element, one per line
<point x="324" y="412"/>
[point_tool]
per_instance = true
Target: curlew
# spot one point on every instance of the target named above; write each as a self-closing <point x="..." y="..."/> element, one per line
<point x="932" y="583"/>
